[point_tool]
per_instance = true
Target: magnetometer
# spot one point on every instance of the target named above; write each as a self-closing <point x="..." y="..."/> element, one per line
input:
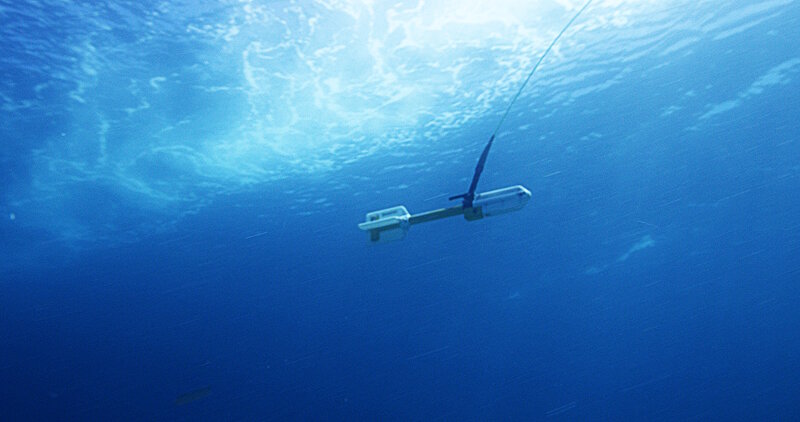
<point x="393" y="223"/>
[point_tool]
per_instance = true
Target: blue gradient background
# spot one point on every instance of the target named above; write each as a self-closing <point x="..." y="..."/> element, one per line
<point x="181" y="185"/>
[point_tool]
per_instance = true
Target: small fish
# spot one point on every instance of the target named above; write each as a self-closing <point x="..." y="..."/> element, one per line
<point x="193" y="395"/>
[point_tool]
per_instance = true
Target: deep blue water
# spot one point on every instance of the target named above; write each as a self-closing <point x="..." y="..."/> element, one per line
<point x="181" y="188"/>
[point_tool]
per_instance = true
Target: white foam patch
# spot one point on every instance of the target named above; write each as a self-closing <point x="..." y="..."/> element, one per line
<point x="643" y="243"/>
<point x="156" y="82"/>
<point x="720" y="108"/>
<point x="680" y="45"/>
<point x="747" y="13"/>
<point x="778" y="75"/>
<point x="671" y="110"/>
<point x="743" y="27"/>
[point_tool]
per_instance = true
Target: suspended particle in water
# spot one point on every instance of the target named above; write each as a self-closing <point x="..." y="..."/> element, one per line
<point x="12" y="216"/>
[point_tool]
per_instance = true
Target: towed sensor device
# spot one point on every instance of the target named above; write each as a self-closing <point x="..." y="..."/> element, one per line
<point x="393" y="223"/>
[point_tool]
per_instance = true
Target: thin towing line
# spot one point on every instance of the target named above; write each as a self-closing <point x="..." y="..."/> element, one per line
<point x="541" y="59"/>
<point x="470" y="195"/>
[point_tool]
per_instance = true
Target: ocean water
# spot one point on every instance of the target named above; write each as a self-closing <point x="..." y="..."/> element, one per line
<point x="181" y="183"/>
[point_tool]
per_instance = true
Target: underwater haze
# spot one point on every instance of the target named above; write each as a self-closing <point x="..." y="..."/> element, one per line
<point x="181" y="184"/>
